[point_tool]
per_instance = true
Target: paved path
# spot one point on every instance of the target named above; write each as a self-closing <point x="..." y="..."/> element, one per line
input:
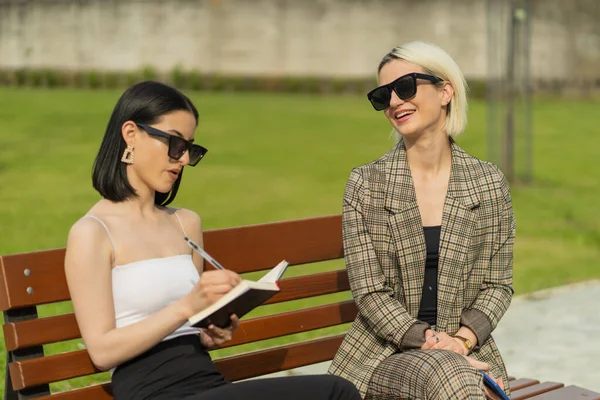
<point x="552" y="335"/>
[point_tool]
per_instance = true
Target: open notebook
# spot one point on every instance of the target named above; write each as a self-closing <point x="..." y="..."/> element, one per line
<point x="240" y="300"/>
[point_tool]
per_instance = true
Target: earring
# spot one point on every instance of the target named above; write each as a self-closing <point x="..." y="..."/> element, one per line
<point x="128" y="155"/>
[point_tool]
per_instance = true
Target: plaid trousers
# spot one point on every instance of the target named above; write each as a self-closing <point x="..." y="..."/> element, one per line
<point x="425" y="375"/>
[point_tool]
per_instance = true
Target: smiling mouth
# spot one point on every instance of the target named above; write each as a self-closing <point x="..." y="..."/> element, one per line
<point x="404" y="113"/>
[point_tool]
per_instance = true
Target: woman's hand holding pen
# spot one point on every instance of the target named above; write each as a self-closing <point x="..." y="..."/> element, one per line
<point x="211" y="286"/>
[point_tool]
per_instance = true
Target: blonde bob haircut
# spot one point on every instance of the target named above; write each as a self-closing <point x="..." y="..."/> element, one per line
<point x="437" y="62"/>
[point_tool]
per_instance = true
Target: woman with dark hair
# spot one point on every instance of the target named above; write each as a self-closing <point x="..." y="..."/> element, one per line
<point x="133" y="280"/>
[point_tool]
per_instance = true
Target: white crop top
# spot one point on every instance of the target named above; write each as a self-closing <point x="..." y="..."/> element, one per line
<point x="142" y="288"/>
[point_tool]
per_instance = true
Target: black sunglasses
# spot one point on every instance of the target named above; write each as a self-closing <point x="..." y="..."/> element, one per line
<point x="405" y="87"/>
<point x="178" y="146"/>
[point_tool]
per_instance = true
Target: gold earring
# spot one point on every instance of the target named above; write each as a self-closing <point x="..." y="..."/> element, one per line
<point x="128" y="155"/>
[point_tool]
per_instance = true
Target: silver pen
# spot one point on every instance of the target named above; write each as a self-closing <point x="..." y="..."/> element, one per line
<point x="203" y="253"/>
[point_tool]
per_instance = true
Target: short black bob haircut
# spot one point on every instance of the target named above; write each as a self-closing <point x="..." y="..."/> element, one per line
<point x="144" y="103"/>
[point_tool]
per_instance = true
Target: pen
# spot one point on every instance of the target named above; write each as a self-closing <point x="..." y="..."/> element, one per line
<point x="203" y="253"/>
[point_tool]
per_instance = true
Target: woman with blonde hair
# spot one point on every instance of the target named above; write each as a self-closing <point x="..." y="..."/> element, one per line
<point x="428" y="236"/>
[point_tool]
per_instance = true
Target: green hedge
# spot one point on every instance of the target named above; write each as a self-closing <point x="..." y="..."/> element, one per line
<point x="194" y="80"/>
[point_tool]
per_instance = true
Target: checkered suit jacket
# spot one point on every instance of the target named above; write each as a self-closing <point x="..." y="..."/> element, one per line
<point x="385" y="258"/>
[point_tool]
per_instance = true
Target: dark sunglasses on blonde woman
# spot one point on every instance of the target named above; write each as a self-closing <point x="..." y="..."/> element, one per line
<point x="405" y="88"/>
<point x="177" y="145"/>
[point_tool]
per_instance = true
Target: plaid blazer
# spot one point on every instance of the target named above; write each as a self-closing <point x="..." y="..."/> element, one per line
<point x="385" y="257"/>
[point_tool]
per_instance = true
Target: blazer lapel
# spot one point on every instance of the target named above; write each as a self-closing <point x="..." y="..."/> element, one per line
<point x="459" y="221"/>
<point x="405" y="227"/>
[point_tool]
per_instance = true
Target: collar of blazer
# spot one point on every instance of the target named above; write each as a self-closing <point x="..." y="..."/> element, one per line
<point x="400" y="193"/>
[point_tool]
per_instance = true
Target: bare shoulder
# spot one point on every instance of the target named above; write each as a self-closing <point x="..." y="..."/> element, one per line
<point x="192" y="225"/>
<point x="191" y="221"/>
<point x="188" y="216"/>
<point x="84" y="230"/>
<point x="87" y="239"/>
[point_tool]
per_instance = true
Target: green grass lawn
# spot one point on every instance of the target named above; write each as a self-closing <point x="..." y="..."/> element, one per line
<point x="276" y="157"/>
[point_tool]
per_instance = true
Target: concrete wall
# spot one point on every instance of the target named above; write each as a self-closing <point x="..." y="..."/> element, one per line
<point x="281" y="37"/>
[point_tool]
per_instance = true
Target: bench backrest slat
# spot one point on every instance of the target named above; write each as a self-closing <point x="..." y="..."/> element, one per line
<point x="302" y="287"/>
<point x="53" y="368"/>
<point x="41" y="271"/>
<point x="282" y="358"/>
<point x="41" y="331"/>
<point x="257" y="247"/>
<point x="35" y="332"/>
<point x="48" y="330"/>
<point x="288" y="323"/>
<point x="75" y="364"/>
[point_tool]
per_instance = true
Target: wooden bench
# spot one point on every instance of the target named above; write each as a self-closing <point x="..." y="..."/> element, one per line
<point x="33" y="279"/>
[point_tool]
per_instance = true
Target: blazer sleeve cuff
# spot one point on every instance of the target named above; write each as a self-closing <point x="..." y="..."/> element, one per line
<point x="415" y="336"/>
<point x="479" y="323"/>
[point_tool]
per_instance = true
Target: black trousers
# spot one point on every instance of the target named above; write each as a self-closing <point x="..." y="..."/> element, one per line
<point x="181" y="368"/>
<point x="307" y="387"/>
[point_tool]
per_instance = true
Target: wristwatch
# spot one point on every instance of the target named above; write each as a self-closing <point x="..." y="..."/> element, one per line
<point x="466" y="342"/>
